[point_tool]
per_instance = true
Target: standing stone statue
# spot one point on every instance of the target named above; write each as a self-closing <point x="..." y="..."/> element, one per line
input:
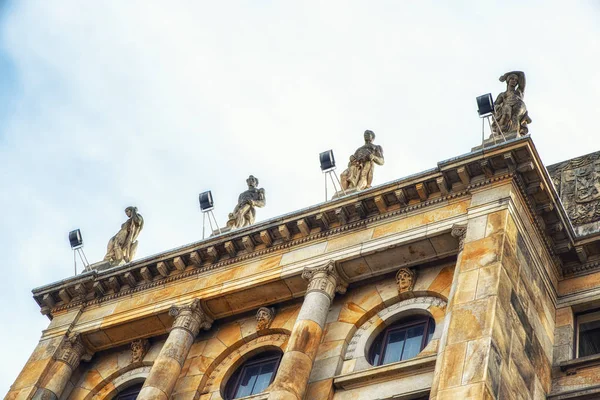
<point x="244" y="212"/>
<point x="359" y="173"/>
<point x="509" y="110"/>
<point x="122" y="247"/>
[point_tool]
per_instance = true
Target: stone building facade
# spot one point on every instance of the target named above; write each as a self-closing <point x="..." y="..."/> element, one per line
<point x="477" y="279"/>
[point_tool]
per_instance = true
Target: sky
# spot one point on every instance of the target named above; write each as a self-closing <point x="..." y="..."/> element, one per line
<point x="109" y="104"/>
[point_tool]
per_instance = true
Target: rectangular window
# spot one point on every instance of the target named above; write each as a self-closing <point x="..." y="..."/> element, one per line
<point x="588" y="334"/>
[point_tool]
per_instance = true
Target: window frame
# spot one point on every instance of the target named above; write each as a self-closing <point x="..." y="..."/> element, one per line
<point x="231" y="388"/>
<point x="426" y="321"/>
<point x="584" y="317"/>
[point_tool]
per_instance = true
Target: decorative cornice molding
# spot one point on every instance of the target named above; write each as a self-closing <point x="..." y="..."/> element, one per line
<point x="461" y="176"/>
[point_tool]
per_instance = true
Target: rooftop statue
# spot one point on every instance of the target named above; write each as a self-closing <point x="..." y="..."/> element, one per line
<point x="509" y="110"/>
<point x="122" y="247"/>
<point x="244" y="212"/>
<point x="359" y="173"/>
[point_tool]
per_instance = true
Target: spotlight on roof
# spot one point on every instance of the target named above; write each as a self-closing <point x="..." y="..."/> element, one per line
<point x="75" y="239"/>
<point x="485" y="105"/>
<point x="327" y="160"/>
<point x="206" y="201"/>
<point x="327" y="167"/>
<point x="206" y="206"/>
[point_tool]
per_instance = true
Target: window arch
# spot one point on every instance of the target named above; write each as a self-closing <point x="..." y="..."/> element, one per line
<point x="362" y="340"/>
<point x="402" y="340"/>
<point x="129" y="393"/>
<point x="254" y="375"/>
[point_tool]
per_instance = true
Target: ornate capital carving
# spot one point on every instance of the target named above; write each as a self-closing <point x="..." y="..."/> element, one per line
<point x="325" y="279"/>
<point x="459" y="231"/>
<point x="72" y="351"/>
<point x="190" y="317"/>
<point x="405" y="279"/>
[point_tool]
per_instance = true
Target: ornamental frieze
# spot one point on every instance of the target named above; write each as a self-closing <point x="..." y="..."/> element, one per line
<point x="577" y="182"/>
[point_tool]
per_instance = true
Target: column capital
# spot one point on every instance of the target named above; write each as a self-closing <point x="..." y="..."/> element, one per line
<point x="459" y="231"/>
<point x="72" y="351"/>
<point x="190" y="317"/>
<point x="325" y="279"/>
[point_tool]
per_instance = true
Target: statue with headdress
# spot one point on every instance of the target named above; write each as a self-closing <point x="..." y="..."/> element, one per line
<point x="122" y="247"/>
<point x="359" y="173"/>
<point x="510" y="113"/>
<point x="244" y="212"/>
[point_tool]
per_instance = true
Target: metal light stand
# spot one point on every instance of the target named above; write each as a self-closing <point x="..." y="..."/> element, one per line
<point x="487" y="117"/>
<point x="84" y="260"/>
<point x="210" y="213"/>
<point x="332" y="175"/>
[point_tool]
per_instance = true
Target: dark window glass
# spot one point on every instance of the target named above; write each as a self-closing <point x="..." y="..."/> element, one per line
<point x="402" y="340"/>
<point x="253" y="376"/>
<point x="588" y="326"/>
<point x="130" y="393"/>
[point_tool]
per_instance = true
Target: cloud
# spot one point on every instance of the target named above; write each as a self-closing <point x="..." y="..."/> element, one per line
<point x="147" y="104"/>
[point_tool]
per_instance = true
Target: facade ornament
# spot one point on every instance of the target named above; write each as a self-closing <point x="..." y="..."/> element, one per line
<point x="244" y="212"/>
<point x="577" y="182"/>
<point x="190" y="317"/>
<point x="72" y="351"/>
<point x="359" y="173"/>
<point x="139" y="348"/>
<point x="264" y="317"/>
<point x="459" y="231"/>
<point x="122" y="247"/>
<point x="510" y="113"/>
<point x="405" y="279"/>
<point x="324" y="279"/>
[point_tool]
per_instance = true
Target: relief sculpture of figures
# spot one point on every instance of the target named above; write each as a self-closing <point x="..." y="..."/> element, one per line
<point x="359" y="173"/>
<point x="122" y="247"/>
<point x="510" y="112"/>
<point x="244" y="212"/>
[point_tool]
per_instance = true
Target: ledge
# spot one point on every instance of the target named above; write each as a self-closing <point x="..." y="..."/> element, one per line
<point x="385" y="372"/>
<point x="571" y="366"/>
<point x="588" y="393"/>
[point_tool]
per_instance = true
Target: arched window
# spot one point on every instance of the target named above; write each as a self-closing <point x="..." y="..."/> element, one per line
<point x="402" y="340"/>
<point x="254" y="375"/>
<point x="129" y="393"/>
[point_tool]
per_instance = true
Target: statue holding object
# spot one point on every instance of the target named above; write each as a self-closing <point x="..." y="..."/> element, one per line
<point x="510" y="113"/>
<point x="122" y="247"/>
<point x="359" y="173"/>
<point x="244" y="212"/>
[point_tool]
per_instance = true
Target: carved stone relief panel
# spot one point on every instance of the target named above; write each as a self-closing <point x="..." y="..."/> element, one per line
<point x="577" y="182"/>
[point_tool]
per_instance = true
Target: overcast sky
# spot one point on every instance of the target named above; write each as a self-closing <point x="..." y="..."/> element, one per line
<point x="147" y="103"/>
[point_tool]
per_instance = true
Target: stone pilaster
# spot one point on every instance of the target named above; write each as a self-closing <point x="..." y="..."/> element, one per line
<point x="189" y="320"/>
<point x="296" y="364"/>
<point x="459" y="231"/>
<point x="68" y="357"/>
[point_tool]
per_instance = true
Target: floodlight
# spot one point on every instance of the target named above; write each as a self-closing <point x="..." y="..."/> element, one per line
<point x="206" y="201"/>
<point x="76" y="242"/>
<point x="485" y="105"/>
<point x="327" y="160"/>
<point x="75" y="239"/>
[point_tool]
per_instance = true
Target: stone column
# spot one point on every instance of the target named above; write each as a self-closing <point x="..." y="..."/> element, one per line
<point x="296" y="364"/>
<point x="70" y="353"/>
<point x="165" y="371"/>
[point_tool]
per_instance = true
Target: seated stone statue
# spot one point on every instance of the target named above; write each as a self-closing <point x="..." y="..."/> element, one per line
<point x="510" y="112"/>
<point x="122" y="247"/>
<point x="244" y="212"/>
<point x="359" y="173"/>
